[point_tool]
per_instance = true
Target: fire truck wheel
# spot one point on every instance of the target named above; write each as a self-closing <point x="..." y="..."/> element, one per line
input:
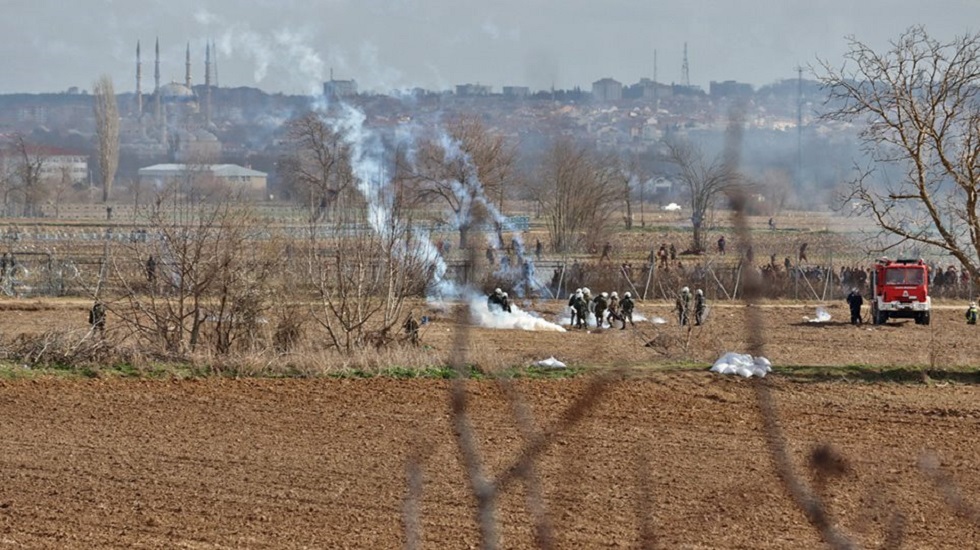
<point x="879" y="317"/>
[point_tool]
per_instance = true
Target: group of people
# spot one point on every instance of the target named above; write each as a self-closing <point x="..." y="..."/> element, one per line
<point x="606" y="307"/>
<point x="687" y="304"/>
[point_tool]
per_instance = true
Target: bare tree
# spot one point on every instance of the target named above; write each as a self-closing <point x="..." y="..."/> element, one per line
<point x="578" y="192"/>
<point x="918" y="107"/>
<point x="362" y="280"/>
<point x="107" y="132"/>
<point x="29" y="183"/>
<point x="211" y="279"/>
<point x="463" y="169"/>
<point x="703" y="179"/>
<point x="317" y="171"/>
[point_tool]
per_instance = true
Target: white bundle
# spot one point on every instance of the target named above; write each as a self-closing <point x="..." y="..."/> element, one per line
<point x="550" y="363"/>
<point x="742" y="364"/>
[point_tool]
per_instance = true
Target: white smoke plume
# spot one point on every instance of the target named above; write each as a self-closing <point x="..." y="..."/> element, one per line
<point x="517" y="319"/>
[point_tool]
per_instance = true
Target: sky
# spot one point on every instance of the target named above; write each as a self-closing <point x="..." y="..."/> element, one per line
<point x="291" y="46"/>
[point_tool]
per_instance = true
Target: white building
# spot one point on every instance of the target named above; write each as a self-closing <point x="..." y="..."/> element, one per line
<point x="234" y="176"/>
<point x="56" y="164"/>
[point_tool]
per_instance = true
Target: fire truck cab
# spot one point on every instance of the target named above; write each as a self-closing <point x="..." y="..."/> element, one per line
<point x="900" y="291"/>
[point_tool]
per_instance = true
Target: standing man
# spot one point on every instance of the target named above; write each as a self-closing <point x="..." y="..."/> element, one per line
<point x="606" y="250"/>
<point x="721" y="245"/>
<point x="411" y="327"/>
<point x="538" y="249"/>
<point x="626" y="306"/>
<point x="802" y="255"/>
<point x="699" y="307"/>
<point x="855" y="301"/>
<point x="96" y="318"/>
<point x="683" y="306"/>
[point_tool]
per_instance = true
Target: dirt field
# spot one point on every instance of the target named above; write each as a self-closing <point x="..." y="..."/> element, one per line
<point x="321" y="463"/>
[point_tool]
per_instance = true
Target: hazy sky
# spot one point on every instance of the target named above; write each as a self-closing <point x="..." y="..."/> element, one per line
<point x="290" y="45"/>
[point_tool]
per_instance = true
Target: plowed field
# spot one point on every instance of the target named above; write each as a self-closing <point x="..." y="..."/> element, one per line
<point x="322" y="463"/>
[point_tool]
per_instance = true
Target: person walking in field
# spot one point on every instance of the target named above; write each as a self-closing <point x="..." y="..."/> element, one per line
<point x="581" y="308"/>
<point x="802" y="255"/>
<point x="626" y="310"/>
<point x="571" y="306"/>
<point x="599" y="305"/>
<point x="971" y="314"/>
<point x="612" y="309"/>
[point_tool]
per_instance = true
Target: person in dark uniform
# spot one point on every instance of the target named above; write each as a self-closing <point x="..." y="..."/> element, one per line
<point x="581" y="307"/>
<point x="495" y="300"/>
<point x="699" y="306"/>
<point x="855" y="301"/>
<point x="971" y="314"/>
<point x="599" y="305"/>
<point x="626" y="307"/>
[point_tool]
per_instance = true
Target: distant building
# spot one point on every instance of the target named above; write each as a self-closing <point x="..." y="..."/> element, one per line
<point x="520" y="92"/>
<point x="649" y="90"/>
<point x="473" y="90"/>
<point x="236" y="177"/>
<point x="56" y="164"/>
<point x="607" y="89"/>
<point x="339" y="88"/>
<point x="730" y="88"/>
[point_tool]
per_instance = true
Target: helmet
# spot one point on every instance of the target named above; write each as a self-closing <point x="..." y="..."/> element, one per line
<point x="973" y="304"/>
<point x="504" y="294"/>
<point x="685" y="290"/>
<point x="626" y="295"/>
<point x="578" y="291"/>
<point x="605" y="294"/>
<point x="585" y="290"/>
<point x="497" y="291"/>
<point x="578" y="294"/>
<point x="854" y="289"/>
<point x="699" y="292"/>
<point x="614" y="294"/>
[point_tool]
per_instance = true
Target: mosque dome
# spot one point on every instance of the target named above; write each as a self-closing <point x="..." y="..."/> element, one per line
<point x="177" y="92"/>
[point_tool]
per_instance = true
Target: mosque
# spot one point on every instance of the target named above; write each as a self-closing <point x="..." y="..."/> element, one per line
<point x="173" y="120"/>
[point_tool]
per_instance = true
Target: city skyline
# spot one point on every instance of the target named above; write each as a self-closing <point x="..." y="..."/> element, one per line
<point x="288" y="46"/>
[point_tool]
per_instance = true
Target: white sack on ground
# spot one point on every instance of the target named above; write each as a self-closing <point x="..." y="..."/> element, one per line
<point x="550" y="363"/>
<point x="742" y="364"/>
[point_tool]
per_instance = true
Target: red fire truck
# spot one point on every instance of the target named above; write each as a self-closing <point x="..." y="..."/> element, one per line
<point x="901" y="291"/>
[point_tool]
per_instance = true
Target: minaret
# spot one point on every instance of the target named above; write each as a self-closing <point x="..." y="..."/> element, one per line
<point x="139" y="79"/>
<point x="187" y="72"/>
<point x="214" y="48"/>
<point x="156" y="80"/>
<point x="685" y="69"/>
<point x="207" y="84"/>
